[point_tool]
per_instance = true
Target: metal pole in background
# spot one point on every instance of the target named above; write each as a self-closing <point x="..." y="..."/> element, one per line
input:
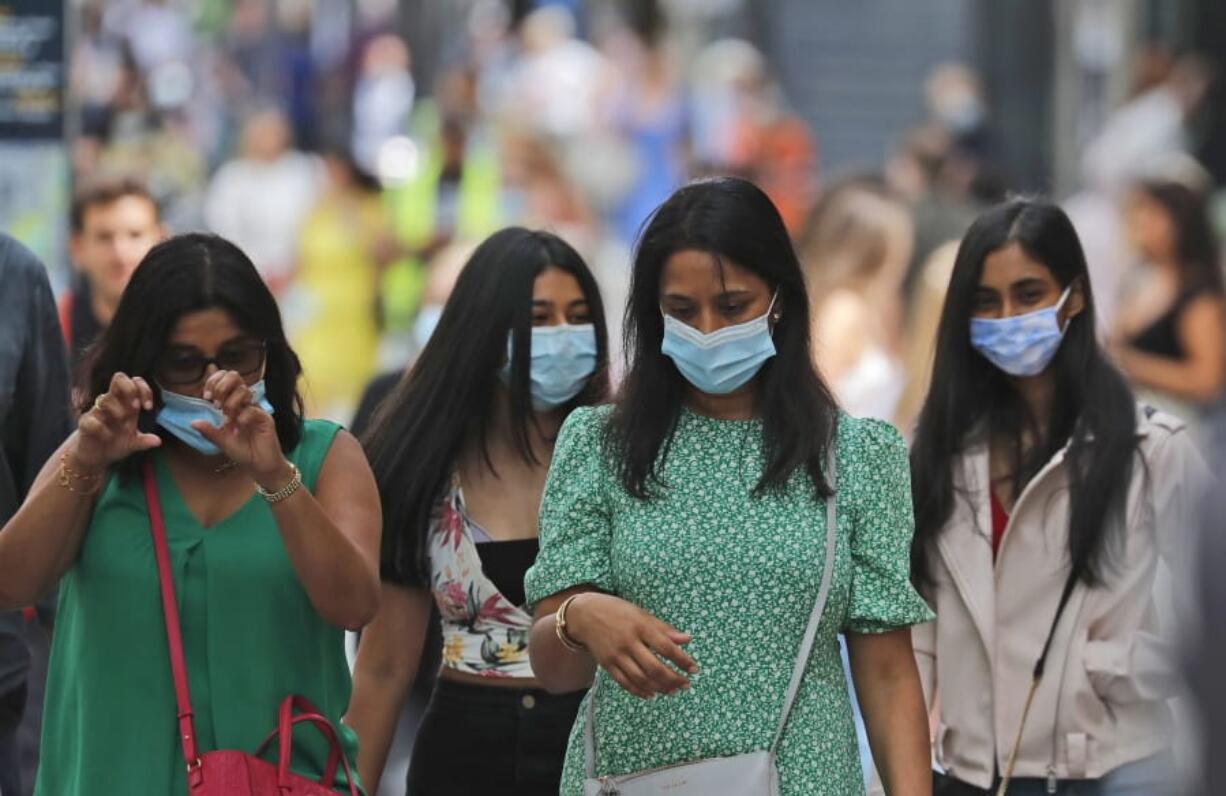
<point x="1095" y="45"/>
<point x="1014" y="46"/>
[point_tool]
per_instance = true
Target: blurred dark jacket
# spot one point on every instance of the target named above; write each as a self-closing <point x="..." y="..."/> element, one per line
<point x="1207" y="653"/>
<point x="34" y="407"/>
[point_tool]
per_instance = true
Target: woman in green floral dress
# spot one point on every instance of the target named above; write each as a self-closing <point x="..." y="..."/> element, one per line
<point x="683" y="528"/>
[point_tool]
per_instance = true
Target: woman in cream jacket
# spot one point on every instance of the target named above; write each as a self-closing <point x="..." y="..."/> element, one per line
<point x="1047" y="502"/>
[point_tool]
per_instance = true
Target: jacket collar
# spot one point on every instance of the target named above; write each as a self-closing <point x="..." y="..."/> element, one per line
<point x="966" y="545"/>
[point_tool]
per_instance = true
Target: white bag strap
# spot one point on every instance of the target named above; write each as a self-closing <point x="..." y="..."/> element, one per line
<point x="806" y="644"/>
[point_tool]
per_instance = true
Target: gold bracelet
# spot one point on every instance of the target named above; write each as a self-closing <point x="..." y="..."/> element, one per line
<point x="67" y="475"/>
<point x="284" y="492"/>
<point x="559" y="627"/>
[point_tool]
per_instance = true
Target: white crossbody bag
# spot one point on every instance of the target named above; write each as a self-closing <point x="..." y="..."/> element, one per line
<point x="749" y="774"/>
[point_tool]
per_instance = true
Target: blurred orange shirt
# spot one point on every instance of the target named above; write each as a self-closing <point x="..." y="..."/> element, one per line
<point x="781" y="156"/>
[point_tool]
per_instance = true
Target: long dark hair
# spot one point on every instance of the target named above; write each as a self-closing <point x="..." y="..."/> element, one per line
<point x="734" y="221"/>
<point x="184" y="274"/>
<point x="447" y="399"/>
<point x="1093" y="409"/>
<point x="1196" y="243"/>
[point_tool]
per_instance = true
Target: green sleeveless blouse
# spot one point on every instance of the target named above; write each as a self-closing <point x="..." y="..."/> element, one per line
<point x="250" y="636"/>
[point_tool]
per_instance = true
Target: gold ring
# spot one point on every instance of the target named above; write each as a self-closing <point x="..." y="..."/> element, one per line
<point x="98" y="401"/>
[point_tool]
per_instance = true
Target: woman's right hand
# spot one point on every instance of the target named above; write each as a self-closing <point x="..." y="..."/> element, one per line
<point x="629" y="643"/>
<point x="107" y="433"/>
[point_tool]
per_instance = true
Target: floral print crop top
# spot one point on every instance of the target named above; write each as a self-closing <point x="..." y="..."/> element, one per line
<point x="484" y="633"/>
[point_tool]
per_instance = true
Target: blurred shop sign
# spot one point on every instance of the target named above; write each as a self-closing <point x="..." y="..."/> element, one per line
<point x="32" y="69"/>
<point x="34" y="201"/>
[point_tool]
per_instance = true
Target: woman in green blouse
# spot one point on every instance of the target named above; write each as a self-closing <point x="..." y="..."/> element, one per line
<point x="687" y="522"/>
<point x="194" y="373"/>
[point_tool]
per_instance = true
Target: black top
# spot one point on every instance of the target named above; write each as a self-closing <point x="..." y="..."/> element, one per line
<point x="376" y="391"/>
<point x="1161" y="338"/>
<point x="84" y="326"/>
<point x="506" y="563"/>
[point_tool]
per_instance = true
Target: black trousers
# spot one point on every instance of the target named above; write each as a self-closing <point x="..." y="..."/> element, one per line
<point x="12" y="705"/>
<point x="478" y="740"/>
<point x="943" y="785"/>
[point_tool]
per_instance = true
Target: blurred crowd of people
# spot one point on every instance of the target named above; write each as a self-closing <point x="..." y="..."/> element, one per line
<point x="299" y="131"/>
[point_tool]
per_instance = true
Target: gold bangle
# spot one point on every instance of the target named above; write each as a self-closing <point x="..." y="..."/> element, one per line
<point x="67" y="475"/>
<point x="559" y="626"/>
<point x="284" y="492"/>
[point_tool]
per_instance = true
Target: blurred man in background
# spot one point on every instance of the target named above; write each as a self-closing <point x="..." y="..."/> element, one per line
<point x="455" y="192"/>
<point x="383" y="97"/>
<point x="260" y="200"/>
<point x="114" y="224"/>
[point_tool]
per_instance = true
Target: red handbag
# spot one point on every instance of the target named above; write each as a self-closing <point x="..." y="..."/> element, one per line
<point x="229" y="772"/>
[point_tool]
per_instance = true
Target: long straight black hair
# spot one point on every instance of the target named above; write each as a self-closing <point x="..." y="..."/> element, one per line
<point x="447" y="399"/>
<point x="970" y="399"/>
<point x="734" y="221"/>
<point x="181" y="275"/>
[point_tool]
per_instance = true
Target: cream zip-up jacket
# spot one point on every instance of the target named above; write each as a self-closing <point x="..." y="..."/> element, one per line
<point x="1103" y="700"/>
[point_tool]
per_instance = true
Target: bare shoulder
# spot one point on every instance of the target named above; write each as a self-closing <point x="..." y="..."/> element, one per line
<point x="345" y="461"/>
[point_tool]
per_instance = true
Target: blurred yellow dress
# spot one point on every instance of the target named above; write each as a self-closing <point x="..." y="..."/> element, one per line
<point x="331" y="313"/>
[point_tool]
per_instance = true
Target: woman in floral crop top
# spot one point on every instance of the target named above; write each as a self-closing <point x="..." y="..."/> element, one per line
<point x="460" y="451"/>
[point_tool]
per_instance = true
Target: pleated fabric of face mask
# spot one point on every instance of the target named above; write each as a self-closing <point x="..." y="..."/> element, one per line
<point x="724" y="360"/>
<point x="1023" y="345"/>
<point x="562" y="359"/>
<point x="178" y="412"/>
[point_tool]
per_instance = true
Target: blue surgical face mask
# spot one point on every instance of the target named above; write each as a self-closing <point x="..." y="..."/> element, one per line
<point x="1023" y="345"/>
<point x="724" y="360"/>
<point x="425" y="323"/>
<point x="178" y="412"/>
<point x="563" y="358"/>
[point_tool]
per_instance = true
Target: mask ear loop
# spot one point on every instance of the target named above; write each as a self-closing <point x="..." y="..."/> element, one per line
<point x="774" y="316"/>
<point x="1064" y="297"/>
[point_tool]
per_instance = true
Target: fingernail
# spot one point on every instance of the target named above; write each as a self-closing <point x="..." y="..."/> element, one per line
<point x="208" y="395"/>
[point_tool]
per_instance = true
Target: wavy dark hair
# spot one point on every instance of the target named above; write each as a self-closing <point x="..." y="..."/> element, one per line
<point x="1196" y="243"/>
<point x="1093" y="411"/>
<point x="181" y="275"/>
<point x="734" y="221"/>
<point x="446" y="400"/>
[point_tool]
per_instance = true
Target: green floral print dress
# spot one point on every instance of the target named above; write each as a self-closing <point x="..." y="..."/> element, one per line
<point x="738" y="571"/>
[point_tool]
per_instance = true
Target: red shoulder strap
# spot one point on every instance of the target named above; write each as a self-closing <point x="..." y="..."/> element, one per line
<point x="170" y="612"/>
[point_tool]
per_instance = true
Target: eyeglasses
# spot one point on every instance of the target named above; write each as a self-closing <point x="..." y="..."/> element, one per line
<point x="181" y="366"/>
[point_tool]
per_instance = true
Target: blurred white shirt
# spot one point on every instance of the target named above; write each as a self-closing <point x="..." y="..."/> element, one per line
<point x="557" y="89"/>
<point x="260" y="206"/>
